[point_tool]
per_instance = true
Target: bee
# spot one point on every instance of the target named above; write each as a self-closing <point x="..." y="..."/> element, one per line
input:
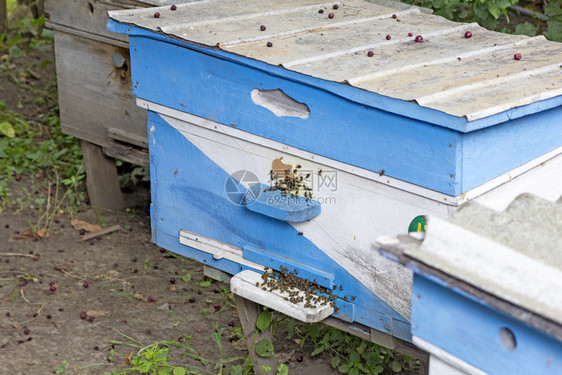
<point x="296" y="271"/>
<point x="320" y="172"/>
<point x="300" y="233"/>
<point x="298" y="166"/>
<point x="257" y="284"/>
<point x="381" y="173"/>
<point x="341" y="287"/>
<point x="307" y="176"/>
<point x="345" y="298"/>
<point x="335" y="286"/>
<point x="353" y="298"/>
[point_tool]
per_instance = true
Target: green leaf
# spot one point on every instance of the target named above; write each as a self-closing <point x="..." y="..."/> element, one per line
<point x="204" y="284"/>
<point x="264" y="320"/>
<point x="344" y="369"/>
<point x="526" y="28"/>
<point x="264" y="348"/>
<point x="179" y="371"/>
<point x="7" y="129"/>
<point x="354" y="371"/>
<point x="396" y="366"/>
<point x="236" y="370"/>
<point x="336" y="362"/>
<point x="15" y="51"/>
<point x="379" y="369"/>
<point x="282" y="369"/>
<point x="354" y="357"/>
<point x="265" y="368"/>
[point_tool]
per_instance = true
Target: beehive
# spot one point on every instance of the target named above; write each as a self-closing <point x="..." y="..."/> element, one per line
<point x="411" y="129"/>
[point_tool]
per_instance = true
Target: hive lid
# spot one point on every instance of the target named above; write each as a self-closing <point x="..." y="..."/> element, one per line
<point x="467" y="78"/>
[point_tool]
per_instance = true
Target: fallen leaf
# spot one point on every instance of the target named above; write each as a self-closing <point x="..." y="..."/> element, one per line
<point x="138" y="296"/>
<point x="63" y="267"/>
<point x="42" y="232"/>
<point x="79" y="224"/>
<point x="173" y="288"/>
<point x="127" y="358"/>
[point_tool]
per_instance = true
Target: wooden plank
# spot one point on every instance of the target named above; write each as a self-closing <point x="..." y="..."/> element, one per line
<point x="128" y="153"/>
<point x="248" y="313"/>
<point x="102" y="232"/>
<point x="93" y="95"/>
<point x="101" y="178"/>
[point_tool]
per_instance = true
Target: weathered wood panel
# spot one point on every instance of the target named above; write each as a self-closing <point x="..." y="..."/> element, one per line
<point x="94" y="95"/>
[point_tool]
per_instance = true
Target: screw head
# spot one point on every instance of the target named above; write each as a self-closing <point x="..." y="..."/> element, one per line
<point x="269" y="44"/>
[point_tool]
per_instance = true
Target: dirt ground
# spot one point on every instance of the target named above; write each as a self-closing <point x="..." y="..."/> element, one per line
<point x="75" y="306"/>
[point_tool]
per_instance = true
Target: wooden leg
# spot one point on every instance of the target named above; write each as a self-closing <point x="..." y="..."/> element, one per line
<point x="3" y="17"/>
<point x="248" y="312"/>
<point x="101" y="178"/>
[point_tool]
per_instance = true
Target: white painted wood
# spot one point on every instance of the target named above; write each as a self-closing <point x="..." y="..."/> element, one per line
<point x="464" y="77"/>
<point x="244" y="285"/>
<point x="444" y="363"/>
<point x="492" y="267"/>
<point x="219" y="249"/>
<point x="370" y="205"/>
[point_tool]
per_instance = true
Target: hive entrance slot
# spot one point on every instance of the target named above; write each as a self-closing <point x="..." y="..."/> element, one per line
<point x="281" y="104"/>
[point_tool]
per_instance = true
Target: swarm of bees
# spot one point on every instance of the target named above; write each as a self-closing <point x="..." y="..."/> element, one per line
<point x="289" y="181"/>
<point x="298" y="290"/>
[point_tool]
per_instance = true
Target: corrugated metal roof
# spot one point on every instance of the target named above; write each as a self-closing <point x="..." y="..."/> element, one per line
<point x="514" y="255"/>
<point x="467" y="77"/>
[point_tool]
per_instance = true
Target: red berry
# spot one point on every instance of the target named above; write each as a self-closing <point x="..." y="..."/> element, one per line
<point x="262" y="28"/>
<point x="172" y="280"/>
<point x="57" y="221"/>
<point x="7" y="226"/>
<point x="388" y="37"/>
<point x="82" y="232"/>
<point x="466" y="7"/>
<point x="217" y="306"/>
<point x="91" y="319"/>
<point x="370" y="53"/>
<point x="192" y="299"/>
<point x="49" y="316"/>
<point x="394" y="16"/>
<point x="419" y="39"/>
<point x="231" y="323"/>
<point x="26" y="331"/>
<point x="83" y="315"/>
<point x="468" y="34"/>
<point x="162" y="250"/>
<point x="517" y="56"/>
<point x="52" y="283"/>
<point x="95" y="346"/>
<point x="331" y="15"/>
<point x="86" y="284"/>
<point x="173" y="7"/>
<point x="299" y="358"/>
<point x="151" y="299"/>
<point x="35" y="258"/>
<point x="410" y="34"/>
<point x="20" y="341"/>
<point x="18" y="178"/>
<point x="336" y="6"/>
<point x="156" y="15"/>
<point x="53" y="288"/>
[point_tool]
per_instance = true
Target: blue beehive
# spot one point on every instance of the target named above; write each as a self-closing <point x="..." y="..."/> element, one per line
<point x="378" y="129"/>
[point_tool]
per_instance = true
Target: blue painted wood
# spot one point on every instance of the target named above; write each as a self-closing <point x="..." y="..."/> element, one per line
<point x="396" y="106"/>
<point x="509" y="145"/>
<point x="470" y="330"/>
<point x="185" y="178"/>
<point x="337" y="128"/>
<point x="274" y="261"/>
<point x="273" y="204"/>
